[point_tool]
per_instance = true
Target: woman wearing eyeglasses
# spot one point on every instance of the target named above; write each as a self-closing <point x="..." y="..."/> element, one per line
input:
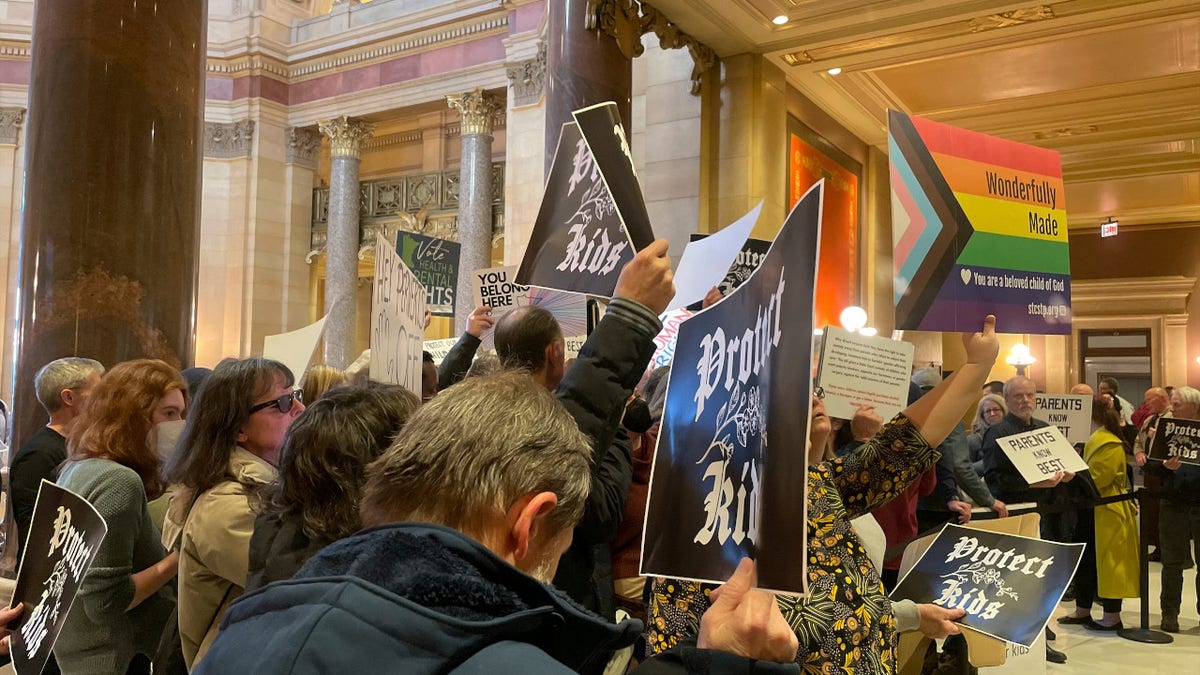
<point x="229" y="447"/>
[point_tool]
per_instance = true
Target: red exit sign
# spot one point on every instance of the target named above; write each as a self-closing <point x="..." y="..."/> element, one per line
<point x="1108" y="229"/>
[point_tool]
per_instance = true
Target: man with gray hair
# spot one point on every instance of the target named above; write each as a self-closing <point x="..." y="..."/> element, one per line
<point x="466" y="516"/>
<point x="62" y="387"/>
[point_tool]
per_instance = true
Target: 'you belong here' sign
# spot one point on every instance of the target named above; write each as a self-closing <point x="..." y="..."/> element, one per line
<point x="730" y="469"/>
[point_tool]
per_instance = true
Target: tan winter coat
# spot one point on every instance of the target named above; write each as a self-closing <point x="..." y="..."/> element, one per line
<point x="212" y="534"/>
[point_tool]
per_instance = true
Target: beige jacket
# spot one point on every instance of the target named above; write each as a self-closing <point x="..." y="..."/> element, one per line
<point x="212" y="534"/>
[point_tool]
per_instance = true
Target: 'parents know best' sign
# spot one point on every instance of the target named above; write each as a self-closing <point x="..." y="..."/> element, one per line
<point x="1176" y="438"/>
<point x="859" y="370"/>
<point x="1041" y="453"/>
<point x="397" y="320"/>
<point x="64" y="538"/>
<point x="717" y="494"/>
<point x="1071" y="413"/>
<point x="979" y="226"/>
<point x="1008" y="585"/>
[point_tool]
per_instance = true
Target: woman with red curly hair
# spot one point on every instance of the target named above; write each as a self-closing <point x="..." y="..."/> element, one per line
<point x="125" y="598"/>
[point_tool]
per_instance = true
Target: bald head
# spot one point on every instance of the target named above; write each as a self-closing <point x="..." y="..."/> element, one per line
<point x="529" y="338"/>
<point x="1082" y="389"/>
<point x="1156" y="400"/>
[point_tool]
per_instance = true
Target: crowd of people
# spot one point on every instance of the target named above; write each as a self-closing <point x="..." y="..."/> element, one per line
<point x="262" y="525"/>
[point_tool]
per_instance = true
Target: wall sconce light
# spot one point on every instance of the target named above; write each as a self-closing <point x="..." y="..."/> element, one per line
<point x="1020" y="358"/>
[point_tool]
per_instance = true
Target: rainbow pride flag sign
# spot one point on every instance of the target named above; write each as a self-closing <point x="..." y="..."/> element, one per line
<point x="979" y="226"/>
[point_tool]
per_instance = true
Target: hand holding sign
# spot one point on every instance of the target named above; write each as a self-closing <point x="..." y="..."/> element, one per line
<point x="746" y="621"/>
<point x="7" y="616"/>
<point x="938" y="622"/>
<point x="480" y="321"/>
<point x="647" y="278"/>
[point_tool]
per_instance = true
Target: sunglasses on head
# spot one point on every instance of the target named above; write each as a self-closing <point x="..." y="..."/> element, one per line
<point x="283" y="403"/>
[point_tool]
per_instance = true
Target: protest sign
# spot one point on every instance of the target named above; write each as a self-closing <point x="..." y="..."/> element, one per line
<point x="64" y="538"/>
<point x="716" y="493"/>
<point x="295" y="349"/>
<point x="439" y="349"/>
<point x="602" y="131"/>
<point x="1071" y="413"/>
<point x="1007" y="584"/>
<point x="1175" y="437"/>
<point x="664" y="342"/>
<point x="859" y="370"/>
<point x="397" y="320"/>
<point x="435" y="264"/>
<point x="706" y="262"/>
<point x="572" y="345"/>
<point x="578" y="241"/>
<point x="747" y="260"/>
<point x="495" y="288"/>
<point x="979" y="226"/>
<point x="1040" y="453"/>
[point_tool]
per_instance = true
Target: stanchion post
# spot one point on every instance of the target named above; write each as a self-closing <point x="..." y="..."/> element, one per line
<point x="1143" y="633"/>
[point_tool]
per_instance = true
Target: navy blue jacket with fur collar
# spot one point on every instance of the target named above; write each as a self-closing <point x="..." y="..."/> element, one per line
<point x="414" y="599"/>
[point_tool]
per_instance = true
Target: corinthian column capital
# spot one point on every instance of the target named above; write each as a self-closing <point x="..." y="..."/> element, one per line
<point x="346" y="135"/>
<point x="11" y="120"/>
<point x="478" y="108"/>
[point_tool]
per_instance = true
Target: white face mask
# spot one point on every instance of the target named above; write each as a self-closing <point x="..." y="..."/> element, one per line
<point x="167" y="437"/>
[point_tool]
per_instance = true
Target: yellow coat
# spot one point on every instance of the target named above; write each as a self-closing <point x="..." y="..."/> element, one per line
<point x="1116" y="524"/>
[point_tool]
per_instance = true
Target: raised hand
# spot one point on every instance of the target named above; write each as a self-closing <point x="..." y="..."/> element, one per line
<point x="982" y="347"/>
<point x="479" y="320"/>
<point x="648" y="278"/>
<point x="746" y="621"/>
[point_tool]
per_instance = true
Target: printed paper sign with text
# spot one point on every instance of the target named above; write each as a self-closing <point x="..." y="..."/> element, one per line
<point x="397" y="320"/>
<point x="602" y="131"/>
<point x="439" y="349"/>
<point x="1007" y="584"/>
<point x="730" y="474"/>
<point x="64" y="538"/>
<point x="664" y="342"/>
<point x="979" y="226"/>
<point x="1175" y="437"/>
<point x="1040" y="453"/>
<point x="1071" y="413"/>
<point x="495" y="288"/>
<point x="859" y="370"/>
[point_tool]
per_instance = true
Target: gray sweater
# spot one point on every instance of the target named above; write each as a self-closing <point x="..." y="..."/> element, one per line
<point x="100" y="636"/>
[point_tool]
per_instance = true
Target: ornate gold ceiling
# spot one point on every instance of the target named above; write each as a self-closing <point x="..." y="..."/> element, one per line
<point x="1114" y="85"/>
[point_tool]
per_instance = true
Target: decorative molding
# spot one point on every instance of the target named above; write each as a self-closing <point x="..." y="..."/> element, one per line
<point x="528" y="78"/>
<point x="1016" y="17"/>
<point x="454" y="129"/>
<point x="11" y="120"/>
<point x="346" y="135"/>
<point x="402" y="138"/>
<point x="626" y="21"/>
<point x="302" y="146"/>
<point x="232" y="140"/>
<point x="477" y="110"/>
<point x="419" y="202"/>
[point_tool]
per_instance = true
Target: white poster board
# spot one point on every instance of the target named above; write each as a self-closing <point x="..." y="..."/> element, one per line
<point x="295" y="349"/>
<point x="1071" y="413"/>
<point x="859" y="370"/>
<point x="1040" y="453"/>
<point x="495" y="288"/>
<point x="705" y="262"/>
<point x="439" y="349"/>
<point x="397" y="320"/>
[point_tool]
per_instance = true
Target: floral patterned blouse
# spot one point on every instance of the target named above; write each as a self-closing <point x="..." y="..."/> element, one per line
<point x="846" y="625"/>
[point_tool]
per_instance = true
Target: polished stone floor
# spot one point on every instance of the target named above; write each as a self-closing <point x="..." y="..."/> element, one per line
<point x="1108" y="654"/>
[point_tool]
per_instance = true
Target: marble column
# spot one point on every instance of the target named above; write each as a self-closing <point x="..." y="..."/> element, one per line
<point x="112" y="198"/>
<point x="477" y="109"/>
<point x="342" y="243"/>
<point x="585" y="63"/>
